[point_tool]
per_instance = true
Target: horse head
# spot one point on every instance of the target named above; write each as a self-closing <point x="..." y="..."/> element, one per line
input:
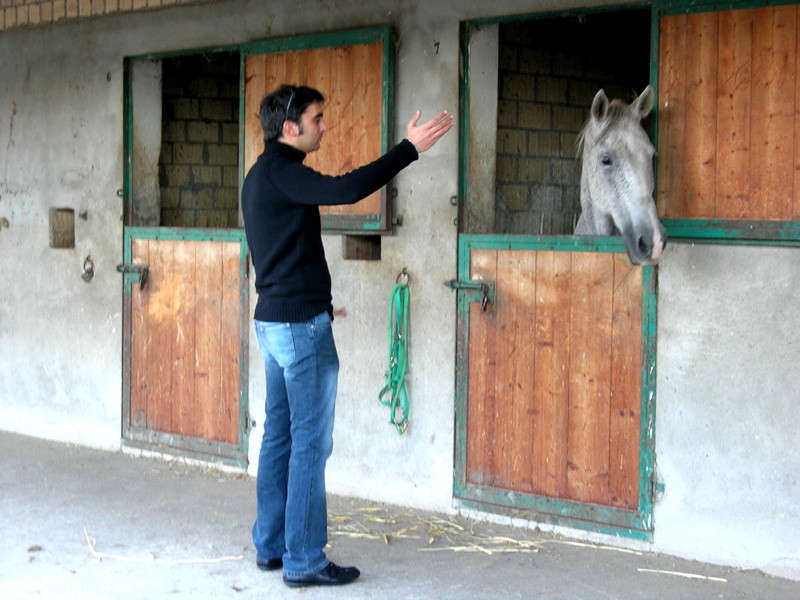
<point x="617" y="177"/>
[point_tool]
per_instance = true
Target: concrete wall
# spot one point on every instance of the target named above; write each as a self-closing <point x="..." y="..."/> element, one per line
<point x="727" y="412"/>
<point x="728" y="329"/>
<point x="60" y="338"/>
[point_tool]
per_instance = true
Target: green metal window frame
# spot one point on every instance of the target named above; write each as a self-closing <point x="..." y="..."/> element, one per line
<point x="127" y="93"/>
<point x="749" y="232"/>
<point x="745" y="232"/>
<point x="607" y="520"/>
<point x="385" y="34"/>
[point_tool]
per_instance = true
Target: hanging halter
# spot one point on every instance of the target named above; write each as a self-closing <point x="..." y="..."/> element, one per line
<point x="398" y="355"/>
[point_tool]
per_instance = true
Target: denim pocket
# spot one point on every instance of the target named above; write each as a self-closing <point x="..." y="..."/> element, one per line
<point x="277" y="340"/>
<point x="319" y="324"/>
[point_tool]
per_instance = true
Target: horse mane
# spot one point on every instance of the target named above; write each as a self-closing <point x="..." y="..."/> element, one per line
<point x="617" y="109"/>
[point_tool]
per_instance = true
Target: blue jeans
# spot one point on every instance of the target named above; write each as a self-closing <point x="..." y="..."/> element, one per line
<point x="302" y="369"/>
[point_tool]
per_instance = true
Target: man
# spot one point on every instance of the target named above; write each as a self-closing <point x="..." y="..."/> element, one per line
<point x="280" y="203"/>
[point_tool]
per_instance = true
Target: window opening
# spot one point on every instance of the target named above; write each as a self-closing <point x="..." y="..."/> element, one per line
<point x="185" y="151"/>
<point x="548" y="71"/>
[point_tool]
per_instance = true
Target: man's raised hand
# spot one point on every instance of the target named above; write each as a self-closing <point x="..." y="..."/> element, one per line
<point x="426" y="135"/>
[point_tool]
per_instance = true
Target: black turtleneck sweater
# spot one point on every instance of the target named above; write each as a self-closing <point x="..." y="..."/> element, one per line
<point x="280" y="203"/>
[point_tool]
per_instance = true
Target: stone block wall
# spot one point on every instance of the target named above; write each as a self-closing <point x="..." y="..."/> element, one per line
<point x="199" y="165"/>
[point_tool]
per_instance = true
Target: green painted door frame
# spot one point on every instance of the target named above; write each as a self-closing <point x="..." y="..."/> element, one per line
<point x="230" y="454"/>
<point x="638" y="524"/>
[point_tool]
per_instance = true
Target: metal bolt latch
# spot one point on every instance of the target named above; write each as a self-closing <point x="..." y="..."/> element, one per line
<point x="485" y="288"/>
<point x="142" y="270"/>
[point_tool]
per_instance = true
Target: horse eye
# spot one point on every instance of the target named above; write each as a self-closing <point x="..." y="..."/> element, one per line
<point x="605" y="159"/>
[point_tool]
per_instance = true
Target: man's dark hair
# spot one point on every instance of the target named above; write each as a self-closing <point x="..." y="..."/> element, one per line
<point x="286" y="103"/>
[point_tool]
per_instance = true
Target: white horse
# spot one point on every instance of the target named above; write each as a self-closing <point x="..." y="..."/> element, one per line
<point x="617" y="177"/>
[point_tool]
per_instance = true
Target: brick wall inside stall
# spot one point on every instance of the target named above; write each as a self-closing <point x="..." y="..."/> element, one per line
<point x="549" y="72"/>
<point x="198" y="169"/>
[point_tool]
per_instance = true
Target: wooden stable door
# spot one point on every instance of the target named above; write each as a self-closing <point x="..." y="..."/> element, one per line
<point x="186" y="352"/>
<point x="553" y="397"/>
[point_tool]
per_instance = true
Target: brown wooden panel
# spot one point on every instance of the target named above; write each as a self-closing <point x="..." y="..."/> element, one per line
<point x="183" y="401"/>
<point x="351" y="78"/>
<point x="728" y="99"/>
<point x="523" y="265"/>
<point x="139" y="351"/>
<point x="256" y="83"/>
<point x="482" y="361"/>
<point x="554" y="396"/>
<point x="773" y="101"/>
<point x="551" y="369"/>
<point x="796" y="162"/>
<point x="505" y="317"/>
<point x="185" y="339"/>
<point x="626" y="383"/>
<point x="701" y="117"/>
<point x="514" y="368"/>
<point x="734" y="115"/>
<point x="671" y="116"/>
<point x="207" y="375"/>
<point x="160" y="327"/>
<point x="590" y="377"/>
<point x="229" y="352"/>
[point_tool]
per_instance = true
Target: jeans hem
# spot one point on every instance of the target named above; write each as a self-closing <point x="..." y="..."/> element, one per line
<point x="305" y="573"/>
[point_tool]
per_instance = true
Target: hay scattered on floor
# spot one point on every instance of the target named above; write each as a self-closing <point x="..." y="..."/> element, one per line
<point x="684" y="574"/>
<point x="436" y="533"/>
<point x="151" y="557"/>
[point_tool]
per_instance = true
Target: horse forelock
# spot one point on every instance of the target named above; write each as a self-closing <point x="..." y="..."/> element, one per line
<point x="617" y="111"/>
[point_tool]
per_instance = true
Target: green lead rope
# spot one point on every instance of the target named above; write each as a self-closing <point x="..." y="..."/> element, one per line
<point x="398" y="357"/>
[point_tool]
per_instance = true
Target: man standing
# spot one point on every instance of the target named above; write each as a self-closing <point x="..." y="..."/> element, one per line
<point x="280" y="204"/>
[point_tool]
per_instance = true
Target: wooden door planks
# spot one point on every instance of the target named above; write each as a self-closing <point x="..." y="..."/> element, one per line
<point x="351" y="78"/>
<point x="185" y="340"/>
<point x="554" y="396"/>
<point x="729" y="99"/>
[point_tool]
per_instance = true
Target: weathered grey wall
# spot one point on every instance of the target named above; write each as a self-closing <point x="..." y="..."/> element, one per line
<point x="727" y="390"/>
<point x="727" y="411"/>
<point x="60" y="338"/>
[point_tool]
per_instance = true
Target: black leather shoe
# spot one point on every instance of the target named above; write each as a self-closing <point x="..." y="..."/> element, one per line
<point x="330" y="575"/>
<point x="273" y="564"/>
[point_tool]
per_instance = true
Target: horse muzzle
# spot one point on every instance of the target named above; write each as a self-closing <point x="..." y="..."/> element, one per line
<point x="645" y="244"/>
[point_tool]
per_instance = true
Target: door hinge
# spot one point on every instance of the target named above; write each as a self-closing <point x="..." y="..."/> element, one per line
<point x="657" y="488"/>
<point x="484" y="289"/>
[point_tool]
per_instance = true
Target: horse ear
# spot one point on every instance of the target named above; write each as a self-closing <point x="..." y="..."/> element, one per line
<point x="600" y="105"/>
<point x="644" y="103"/>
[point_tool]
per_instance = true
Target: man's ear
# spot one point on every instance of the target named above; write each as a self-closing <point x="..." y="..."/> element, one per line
<point x="290" y="129"/>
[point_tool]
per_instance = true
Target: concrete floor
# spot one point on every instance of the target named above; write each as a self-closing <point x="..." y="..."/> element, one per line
<point x="84" y="524"/>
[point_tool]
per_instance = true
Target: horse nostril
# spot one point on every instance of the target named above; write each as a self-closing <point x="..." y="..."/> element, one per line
<point x="645" y="247"/>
